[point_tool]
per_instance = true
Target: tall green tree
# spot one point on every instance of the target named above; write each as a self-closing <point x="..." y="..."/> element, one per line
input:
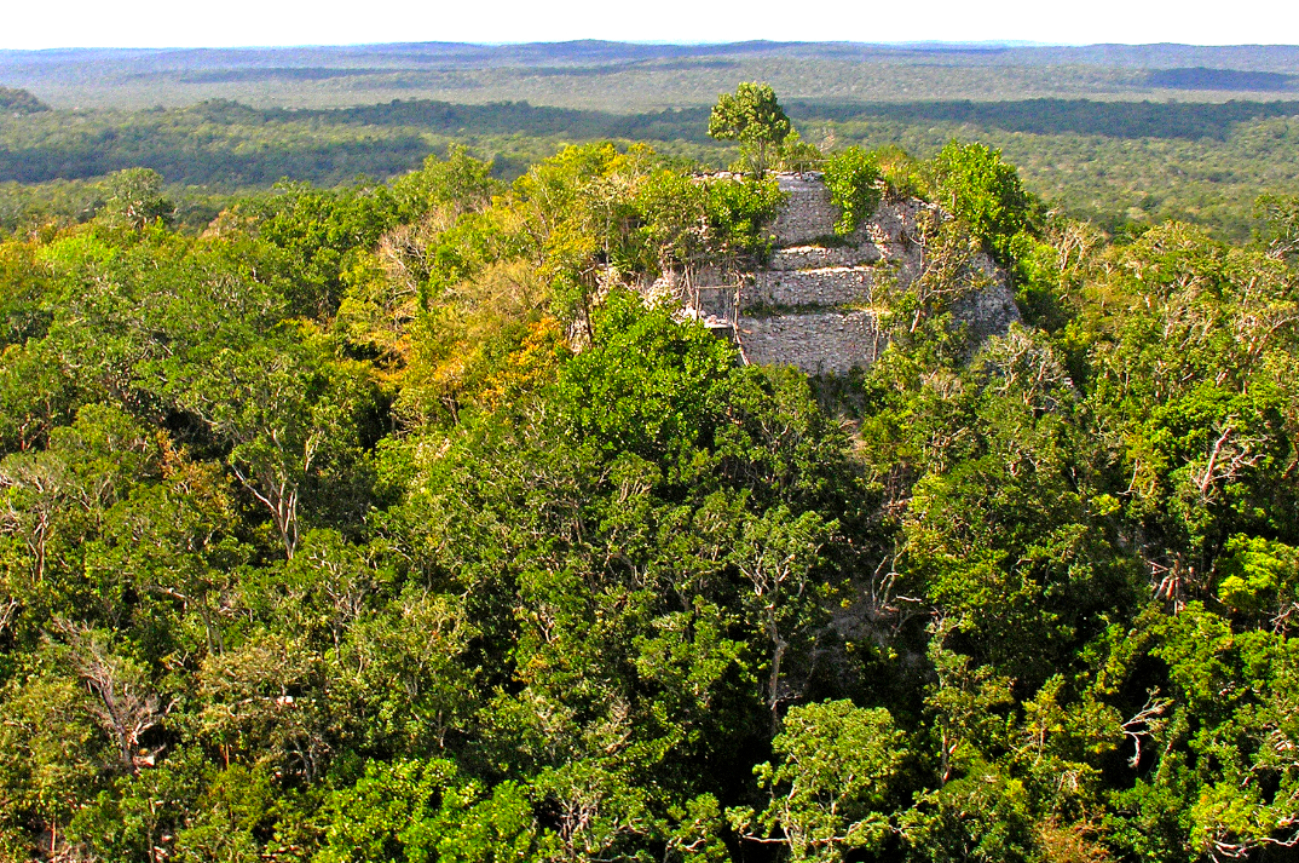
<point x="752" y="116"/>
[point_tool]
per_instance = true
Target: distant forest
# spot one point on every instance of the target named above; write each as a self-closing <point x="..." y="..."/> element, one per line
<point x="20" y="102"/>
<point x="626" y="78"/>
<point x="1113" y="162"/>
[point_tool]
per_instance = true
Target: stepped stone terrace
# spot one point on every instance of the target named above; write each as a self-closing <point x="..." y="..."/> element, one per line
<point x="813" y="305"/>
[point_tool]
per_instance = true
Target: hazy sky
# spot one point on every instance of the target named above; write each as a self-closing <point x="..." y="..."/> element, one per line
<point x="159" y="23"/>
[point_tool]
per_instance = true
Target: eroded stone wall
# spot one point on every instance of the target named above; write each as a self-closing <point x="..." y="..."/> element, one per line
<point x="830" y="286"/>
<point x="988" y="312"/>
<point x="817" y="257"/>
<point x="808" y="214"/>
<point x="831" y="342"/>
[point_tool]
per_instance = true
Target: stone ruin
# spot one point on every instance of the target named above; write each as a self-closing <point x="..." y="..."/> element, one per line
<point x="813" y="305"/>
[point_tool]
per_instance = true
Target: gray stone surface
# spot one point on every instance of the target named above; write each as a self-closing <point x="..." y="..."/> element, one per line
<point x="831" y="286"/>
<point x="809" y="214"/>
<point x="817" y="343"/>
<point x="818" y="257"/>
<point x="988" y="312"/>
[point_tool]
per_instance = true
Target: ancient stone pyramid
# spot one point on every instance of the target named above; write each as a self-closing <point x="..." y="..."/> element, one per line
<point x="813" y="305"/>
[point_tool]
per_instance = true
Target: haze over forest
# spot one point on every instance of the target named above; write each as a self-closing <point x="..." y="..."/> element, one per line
<point x="633" y="77"/>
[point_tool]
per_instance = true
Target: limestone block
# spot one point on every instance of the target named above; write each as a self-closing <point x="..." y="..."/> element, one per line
<point x="892" y="223"/>
<point x="816" y="343"/>
<point x="830" y="286"/>
<point x="807" y="214"/>
<point x="818" y="257"/>
<point x="987" y="312"/>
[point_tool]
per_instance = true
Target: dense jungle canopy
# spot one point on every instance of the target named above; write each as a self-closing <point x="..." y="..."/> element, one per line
<point x="386" y="522"/>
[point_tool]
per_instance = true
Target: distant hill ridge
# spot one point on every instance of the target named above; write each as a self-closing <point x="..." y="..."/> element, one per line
<point x="20" y="102"/>
<point x="630" y="77"/>
<point x="204" y="143"/>
<point x="1273" y="58"/>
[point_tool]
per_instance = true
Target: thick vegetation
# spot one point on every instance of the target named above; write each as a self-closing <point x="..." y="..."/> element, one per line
<point x="18" y="102"/>
<point x="390" y="523"/>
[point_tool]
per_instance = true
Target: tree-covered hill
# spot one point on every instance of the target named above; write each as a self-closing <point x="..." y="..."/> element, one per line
<point x="391" y="522"/>
<point x="19" y="102"/>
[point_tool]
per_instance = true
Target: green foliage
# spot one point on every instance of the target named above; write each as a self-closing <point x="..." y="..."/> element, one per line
<point x="231" y="818"/>
<point x="134" y="199"/>
<point x="657" y="396"/>
<point x="137" y="816"/>
<point x="795" y="154"/>
<point x="981" y="817"/>
<point x="973" y="183"/>
<point x="1124" y="165"/>
<point x="459" y="182"/>
<point x="739" y="214"/>
<point x="752" y="116"/>
<point x="852" y="176"/>
<point x="391" y="523"/>
<point x="382" y="816"/>
<point x="1280" y="229"/>
<point x="20" y="102"/>
<point x="23" y="285"/>
<point x="838" y="762"/>
<point x="316" y="234"/>
<point x="1258" y="575"/>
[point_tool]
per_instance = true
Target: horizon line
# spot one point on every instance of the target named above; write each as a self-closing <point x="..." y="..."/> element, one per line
<point x="898" y="44"/>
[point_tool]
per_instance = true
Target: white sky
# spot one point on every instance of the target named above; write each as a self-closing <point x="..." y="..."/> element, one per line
<point x="169" y="23"/>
